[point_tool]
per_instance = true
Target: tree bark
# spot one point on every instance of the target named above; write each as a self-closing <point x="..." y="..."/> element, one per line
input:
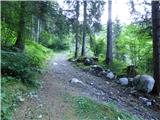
<point x="156" y="45"/>
<point x="32" y="30"/>
<point x="37" y="30"/>
<point x="20" y="42"/>
<point x="84" y="29"/>
<point x="77" y="29"/>
<point x="109" y="56"/>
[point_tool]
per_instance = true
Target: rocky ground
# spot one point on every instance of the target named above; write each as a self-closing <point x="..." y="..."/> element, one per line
<point x="62" y="77"/>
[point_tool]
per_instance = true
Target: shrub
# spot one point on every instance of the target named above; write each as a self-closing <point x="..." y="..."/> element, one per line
<point x="19" y="65"/>
<point x="54" y="42"/>
<point x="26" y="65"/>
<point x="8" y="36"/>
<point x="98" y="46"/>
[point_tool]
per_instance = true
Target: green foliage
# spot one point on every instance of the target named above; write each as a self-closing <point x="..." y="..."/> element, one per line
<point x="116" y="65"/>
<point x="54" y="42"/>
<point x="98" y="45"/>
<point x="19" y="65"/>
<point x="37" y="52"/>
<point x="24" y="65"/>
<point x="135" y="48"/>
<point x="8" y="36"/>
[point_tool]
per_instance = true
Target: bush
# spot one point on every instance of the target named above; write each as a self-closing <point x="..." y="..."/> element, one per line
<point x="8" y="36"/>
<point x="26" y="65"/>
<point x="54" y="42"/>
<point x="19" y="65"/>
<point x="98" y="46"/>
<point x="37" y="52"/>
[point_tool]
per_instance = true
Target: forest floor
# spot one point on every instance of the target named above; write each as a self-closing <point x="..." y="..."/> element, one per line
<point x="50" y="102"/>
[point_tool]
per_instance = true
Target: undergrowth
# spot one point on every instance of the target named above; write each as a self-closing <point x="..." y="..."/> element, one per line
<point x="20" y="74"/>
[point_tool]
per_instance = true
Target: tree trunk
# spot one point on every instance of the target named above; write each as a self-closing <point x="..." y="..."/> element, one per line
<point x="20" y="42"/>
<point x="84" y="29"/>
<point x="37" y="30"/>
<point x="77" y="29"/>
<point x="156" y="45"/>
<point x="33" y="27"/>
<point x="109" y="56"/>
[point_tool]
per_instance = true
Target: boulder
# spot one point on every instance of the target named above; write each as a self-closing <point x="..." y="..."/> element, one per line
<point x="110" y="75"/>
<point x="144" y="83"/>
<point x="123" y="81"/>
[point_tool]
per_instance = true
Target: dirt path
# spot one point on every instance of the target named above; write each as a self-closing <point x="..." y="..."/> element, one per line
<point x="49" y="104"/>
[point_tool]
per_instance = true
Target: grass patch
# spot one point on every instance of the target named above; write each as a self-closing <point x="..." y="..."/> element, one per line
<point x="87" y="109"/>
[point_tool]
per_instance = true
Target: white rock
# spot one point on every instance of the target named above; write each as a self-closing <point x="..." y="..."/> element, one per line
<point x="91" y="83"/>
<point x="149" y="103"/>
<point x="130" y="79"/>
<point x="55" y="63"/>
<point x="40" y="116"/>
<point x="21" y="99"/>
<point x="144" y="83"/>
<point x="143" y="99"/>
<point x="123" y="81"/>
<point x="110" y="75"/>
<point x="75" y="80"/>
<point x="95" y="65"/>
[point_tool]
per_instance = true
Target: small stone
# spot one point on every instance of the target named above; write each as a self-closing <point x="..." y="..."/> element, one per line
<point x="153" y="101"/>
<point x="130" y="79"/>
<point x="103" y="98"/>
<point x="107" y="82"/>
<point x="40" y="116"/>
<point x="55" y="63"/>
<point x="143" y="99"/>
<point x="21" y="99"/>
<point x="75" y="81"/>
<point x="149" y="103"/>
<point x="102" y="93"/>
<point x="98" y="93"/>
<point x="110" y="75"/>
<point x="91" y="83"/>
<point x="123" y="81"/>
<point x="133" y="91"/>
